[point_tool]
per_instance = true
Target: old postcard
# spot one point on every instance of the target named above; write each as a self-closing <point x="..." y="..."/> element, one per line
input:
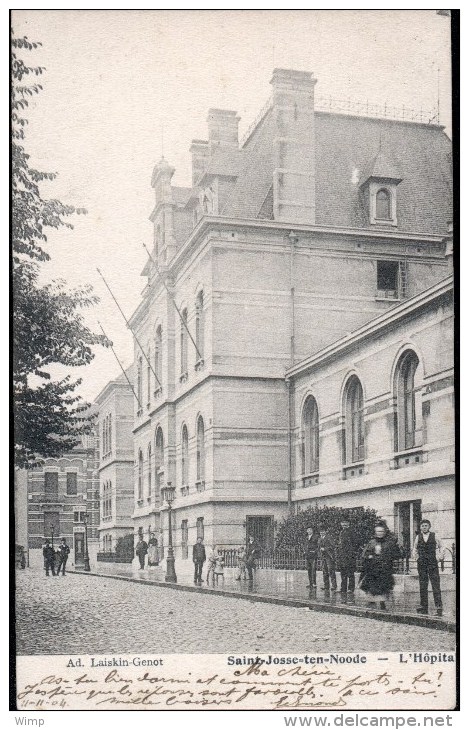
<point x="232" y="247"/>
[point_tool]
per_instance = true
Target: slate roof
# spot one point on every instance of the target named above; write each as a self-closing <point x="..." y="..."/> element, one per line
<point x="181" y="195"/>
<point x="346" y="149"/>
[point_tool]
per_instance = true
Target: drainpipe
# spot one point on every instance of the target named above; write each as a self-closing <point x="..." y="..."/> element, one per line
<point x="291" y="421"/>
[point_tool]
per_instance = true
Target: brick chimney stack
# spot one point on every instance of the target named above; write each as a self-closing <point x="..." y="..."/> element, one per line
<point x="222" y="128"/>
<point x="294" y="173"/>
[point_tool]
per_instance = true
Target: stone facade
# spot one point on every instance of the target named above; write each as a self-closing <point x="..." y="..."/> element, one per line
<point x="258" y="265"/>
<point x="403" y="465"/>
<point x="116" y="462"/>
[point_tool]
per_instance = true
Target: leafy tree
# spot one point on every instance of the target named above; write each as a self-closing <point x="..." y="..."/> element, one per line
<point x="48" y="324"/>
<point x="292" y="530"/>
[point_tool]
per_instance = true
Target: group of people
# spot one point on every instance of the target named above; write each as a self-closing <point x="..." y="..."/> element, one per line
<point x="149" y="548"/>
<point x="246" y="560"/>
<point x="378" y="556"/>
<point x="55" y="560"/>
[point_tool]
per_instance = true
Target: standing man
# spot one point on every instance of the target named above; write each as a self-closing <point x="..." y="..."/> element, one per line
<point x="347" y="547"/>
<point x="252" y="552"/>
<point x="62" y="555"/>
<point x="425" y="546"/>
<point x="198" y="558"/>
<point x="141" y="550"/>
<point x="326" y="553"/>
<point x="49" y="557"/>
<point x="311" y="555"/>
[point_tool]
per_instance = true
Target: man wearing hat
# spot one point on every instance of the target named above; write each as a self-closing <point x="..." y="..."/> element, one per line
<point x="425" y="547"/>
<point x="62" y="554"/>
<point x="49" y="557"/>
<point x="311" y="555"/>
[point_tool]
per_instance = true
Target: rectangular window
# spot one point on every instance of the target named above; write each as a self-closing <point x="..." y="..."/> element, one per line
<point x="72" y="482"/>
<point x="388" y="279"/>
<point x="200" y="527"/>
<point x="51" y="483"/>
<point x="51" y="524"/>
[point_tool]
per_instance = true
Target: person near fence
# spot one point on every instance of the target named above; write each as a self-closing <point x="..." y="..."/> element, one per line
<point x="425" y="550"/>
<point x="141" y="550"/>
<point x="49" y="557"/>
<point x="198" y="558"/>
<point x="219" y="566"/>
<point x="212" y="558"/>
<point x="241" y="559"/>
<point x="379" y="554"/>
<point x="62" y="556"/>
<point x="346" y="554"/>
<point x="311" y="555"/>
<point x="153" y="557"/>
<point x="326" y="551"/>
<point x="252" y="553"/>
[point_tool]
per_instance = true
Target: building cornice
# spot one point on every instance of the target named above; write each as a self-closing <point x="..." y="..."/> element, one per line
<point x="384" y="321"/>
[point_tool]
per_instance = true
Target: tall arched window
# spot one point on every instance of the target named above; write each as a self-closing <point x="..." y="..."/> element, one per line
<point x="354" y="427"/>
<point x="159" y="460"/>
<point x="310" y="436"/>
<point x="139" y="382"/>
<point x="149" y="469"/>
<point x="383" y="204"/>
<point x="184" y="342"/>
<point x="185" y="456"/>
<point x="200" y="450"/>
<point x="109" y="443"/>
<point x="159" y="357"/>
<point x="409" y="409"/>
<point x="199" y="324"/>
<point x="140" y="475"/>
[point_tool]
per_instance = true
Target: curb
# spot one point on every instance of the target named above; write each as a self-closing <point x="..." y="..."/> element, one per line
<point x="397" y="618"/>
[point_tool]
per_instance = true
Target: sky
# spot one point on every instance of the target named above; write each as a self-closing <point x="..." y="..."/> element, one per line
<point x="122" y="86"/>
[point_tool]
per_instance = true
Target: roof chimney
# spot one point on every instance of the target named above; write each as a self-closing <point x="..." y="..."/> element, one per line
<point x="222" y="128"/>
<point x="200" y="154"/>
<point x="294" y="172"/>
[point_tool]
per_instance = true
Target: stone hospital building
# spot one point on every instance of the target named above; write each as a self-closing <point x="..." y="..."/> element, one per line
<point x="297" y="325"/>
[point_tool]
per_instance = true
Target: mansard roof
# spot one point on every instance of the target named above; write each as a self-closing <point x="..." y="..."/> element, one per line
<point x="346" y="149"/>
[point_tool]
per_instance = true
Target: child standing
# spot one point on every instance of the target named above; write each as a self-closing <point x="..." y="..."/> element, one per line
<point x="219" y="567"/>
<point x="241" y="563"/>
<point x="211" y="564"/>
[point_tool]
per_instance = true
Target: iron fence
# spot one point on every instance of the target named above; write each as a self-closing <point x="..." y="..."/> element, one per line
<point x="294" y="559"/>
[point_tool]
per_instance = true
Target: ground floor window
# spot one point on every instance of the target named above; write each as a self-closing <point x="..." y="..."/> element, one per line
<point x="200" y="527"/>
<point x="407" y="516"/>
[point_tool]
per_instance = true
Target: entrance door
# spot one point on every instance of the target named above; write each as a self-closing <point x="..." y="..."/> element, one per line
<point x="262" y="530"/>
<point x="407" y="516"/>
<point x="79" y="548"/>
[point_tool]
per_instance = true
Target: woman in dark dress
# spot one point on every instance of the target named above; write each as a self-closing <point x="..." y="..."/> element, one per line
<point x="378" y="557"/>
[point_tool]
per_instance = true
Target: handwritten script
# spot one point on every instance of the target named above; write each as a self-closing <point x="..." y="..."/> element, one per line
<point x="198" y="686"/>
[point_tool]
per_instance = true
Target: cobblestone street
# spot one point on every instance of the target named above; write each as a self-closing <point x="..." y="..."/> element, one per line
<point x="79" y="614"/>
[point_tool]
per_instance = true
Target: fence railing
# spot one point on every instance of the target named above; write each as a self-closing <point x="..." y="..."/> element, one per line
<point x="294" y="559"/>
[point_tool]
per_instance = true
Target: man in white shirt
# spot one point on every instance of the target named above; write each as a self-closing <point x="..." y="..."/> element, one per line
<point x="425" y="549"/>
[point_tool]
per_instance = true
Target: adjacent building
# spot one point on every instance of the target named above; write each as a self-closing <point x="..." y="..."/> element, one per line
<point x="319" y="224"/>
<point x="63" y="494"/>
<point x="116" y="462"/>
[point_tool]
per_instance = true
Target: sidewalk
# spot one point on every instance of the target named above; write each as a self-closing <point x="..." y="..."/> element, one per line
<point x="289" y="587"/>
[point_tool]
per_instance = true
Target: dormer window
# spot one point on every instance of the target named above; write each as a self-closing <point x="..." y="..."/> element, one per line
<point x="383" y="204"/>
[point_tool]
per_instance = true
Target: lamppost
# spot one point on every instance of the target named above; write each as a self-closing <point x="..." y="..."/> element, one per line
<point x="87" y="557"/>
<point x="168" y="494"/>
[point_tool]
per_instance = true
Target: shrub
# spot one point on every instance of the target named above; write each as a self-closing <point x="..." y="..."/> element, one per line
<point x="292" y="530"/>
<point x="125" y="546"/>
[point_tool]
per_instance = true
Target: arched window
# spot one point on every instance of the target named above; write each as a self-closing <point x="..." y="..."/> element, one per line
<point x="149" y="470"/>
<point x="159" y="460"/>
<point x="109" y="444"/>
<point x="184" y="342"/>
<point x="310" y="436"/>
<point x="199" y="325"/>
<point x="200" y="450"/>
<point x="139" y="382"/>
<point x="354" y="428"/>
<point x="409" y="408"/>
<point x="383" y="204"/>
<point x="158" y="357"/>
<point x="185" y="456"/>
<point x="103" y="443"/>
<point x="140" y="475"/>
